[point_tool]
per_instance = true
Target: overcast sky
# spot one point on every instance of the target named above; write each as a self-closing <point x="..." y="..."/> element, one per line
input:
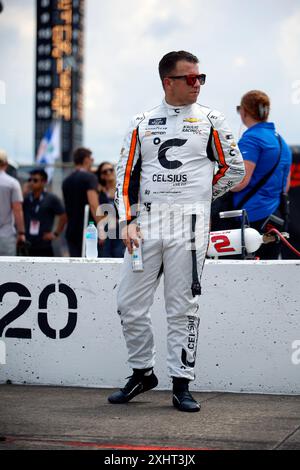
<point x="241" y="44"/>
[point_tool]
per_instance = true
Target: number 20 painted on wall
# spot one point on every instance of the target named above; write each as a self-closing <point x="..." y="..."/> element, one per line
<point x="25" y="302"/>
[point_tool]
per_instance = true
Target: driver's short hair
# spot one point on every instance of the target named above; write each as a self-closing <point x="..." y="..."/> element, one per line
<point x="168" y="63"/>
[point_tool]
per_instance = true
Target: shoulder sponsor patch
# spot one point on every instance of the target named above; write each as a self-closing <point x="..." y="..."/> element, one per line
<point x="157" y="121"/>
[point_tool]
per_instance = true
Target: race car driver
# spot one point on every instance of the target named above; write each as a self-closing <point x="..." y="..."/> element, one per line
<point x="167" y="166"/>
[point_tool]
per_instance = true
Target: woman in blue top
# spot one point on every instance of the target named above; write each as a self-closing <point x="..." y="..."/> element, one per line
<point x="260" y="148"/>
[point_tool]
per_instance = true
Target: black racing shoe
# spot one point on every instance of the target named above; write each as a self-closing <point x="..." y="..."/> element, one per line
<point x="184" y="401"/>
<point x="137" y="383"/>
<point x="182" y="398"/>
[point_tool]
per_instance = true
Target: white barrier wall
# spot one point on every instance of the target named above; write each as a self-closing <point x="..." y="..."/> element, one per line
<point x="59" y="325"/>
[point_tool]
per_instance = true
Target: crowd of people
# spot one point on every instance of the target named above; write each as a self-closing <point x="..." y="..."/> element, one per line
<point x="84" y="187"/>
<point x="30" y="220"/>
<point x="32" y="217"/>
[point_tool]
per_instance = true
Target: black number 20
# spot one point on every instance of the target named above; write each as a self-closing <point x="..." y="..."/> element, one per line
<point x="24" y="304"/>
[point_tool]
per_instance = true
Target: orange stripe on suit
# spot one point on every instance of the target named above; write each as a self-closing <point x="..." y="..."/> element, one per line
<point x="222" y="161"/>
<point x="128" y="174"/>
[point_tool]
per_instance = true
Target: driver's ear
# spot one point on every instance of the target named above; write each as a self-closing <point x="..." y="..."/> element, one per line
<point x="166" y="82"/>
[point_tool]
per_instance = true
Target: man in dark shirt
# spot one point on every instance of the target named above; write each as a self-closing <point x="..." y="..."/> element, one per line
<point x="80" y="189"/>
<point x="40" y="208"/>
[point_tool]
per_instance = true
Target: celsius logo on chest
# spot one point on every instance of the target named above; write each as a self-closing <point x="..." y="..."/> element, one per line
<point x="170" y="165"/>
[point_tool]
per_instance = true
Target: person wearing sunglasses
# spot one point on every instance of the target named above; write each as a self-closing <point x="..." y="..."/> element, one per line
<point x="267" y="160"/>
<point x="110" y="246"/>
<point x="40" y="210"/>
<point x="168" y="158"/>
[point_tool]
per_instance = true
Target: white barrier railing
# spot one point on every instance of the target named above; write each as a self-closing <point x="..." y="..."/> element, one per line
<point x="59" y="325"/>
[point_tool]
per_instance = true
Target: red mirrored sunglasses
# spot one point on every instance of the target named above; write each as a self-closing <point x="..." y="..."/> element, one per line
<point x="191" y="79"/>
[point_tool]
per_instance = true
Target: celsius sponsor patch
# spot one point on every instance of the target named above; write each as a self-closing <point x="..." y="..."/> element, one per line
<point x="157" y="121"/>
<point x="170" y="178"/>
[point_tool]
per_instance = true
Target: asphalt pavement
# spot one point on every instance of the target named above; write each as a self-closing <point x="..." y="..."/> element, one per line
<point x="35" y="417"/>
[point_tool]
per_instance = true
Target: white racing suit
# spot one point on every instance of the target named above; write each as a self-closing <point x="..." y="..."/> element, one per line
<point x="167" y="165"/>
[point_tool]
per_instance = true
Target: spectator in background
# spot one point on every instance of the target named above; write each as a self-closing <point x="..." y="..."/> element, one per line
<point x="294" y="198"/>
<point x="112" y="246"/>
<point x="80" y="189"/>
<point x="11" y="211"/>
<point x="264" y="152"/>
<point x="40" y="209"/>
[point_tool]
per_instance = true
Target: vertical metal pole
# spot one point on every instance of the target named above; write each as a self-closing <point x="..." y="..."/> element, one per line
<point x="85" y="223"/>
<point x="243" y="241"/>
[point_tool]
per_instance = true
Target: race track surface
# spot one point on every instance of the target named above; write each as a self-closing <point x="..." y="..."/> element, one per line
<point x="34" y="417"/>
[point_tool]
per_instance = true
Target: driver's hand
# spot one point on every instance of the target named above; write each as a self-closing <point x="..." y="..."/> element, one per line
<point x="131" y="234"/>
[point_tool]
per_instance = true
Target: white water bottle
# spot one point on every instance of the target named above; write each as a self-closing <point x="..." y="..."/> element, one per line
<point x="91" y="241"/>
<point x="137" y="258"/>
